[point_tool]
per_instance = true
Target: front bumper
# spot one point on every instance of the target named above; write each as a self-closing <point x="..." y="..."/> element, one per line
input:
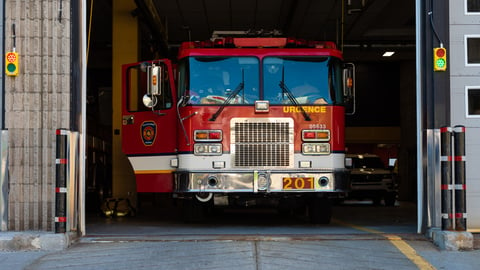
<point x="261" y="181"/>
<point x="385" y="185"/>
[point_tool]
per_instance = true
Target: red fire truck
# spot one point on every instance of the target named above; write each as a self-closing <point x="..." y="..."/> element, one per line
<point x="240" y="121"/>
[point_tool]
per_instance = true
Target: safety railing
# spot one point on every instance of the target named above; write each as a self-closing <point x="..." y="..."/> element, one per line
<point x="453" y="184"/>
<point x="66" y="181"/>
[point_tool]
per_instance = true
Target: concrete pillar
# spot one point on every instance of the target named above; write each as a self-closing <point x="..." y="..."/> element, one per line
<point x="37" y="102"/>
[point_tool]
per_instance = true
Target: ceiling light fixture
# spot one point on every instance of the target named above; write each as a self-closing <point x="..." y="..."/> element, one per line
<point x="388" y="54"/>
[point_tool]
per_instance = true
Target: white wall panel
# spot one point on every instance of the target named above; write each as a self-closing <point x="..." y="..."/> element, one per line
<point x="462" y="75"/>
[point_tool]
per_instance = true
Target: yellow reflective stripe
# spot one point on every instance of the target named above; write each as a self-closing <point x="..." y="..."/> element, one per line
<point x="409" y="252"/>
<point x="398" y="242"/>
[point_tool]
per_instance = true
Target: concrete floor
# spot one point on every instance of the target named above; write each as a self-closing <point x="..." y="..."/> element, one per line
<point x="352" y="217"/>
<point x="360" y="236"/>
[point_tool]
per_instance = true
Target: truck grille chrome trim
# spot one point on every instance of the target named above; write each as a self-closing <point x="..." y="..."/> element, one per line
<point x="262" y="142"/>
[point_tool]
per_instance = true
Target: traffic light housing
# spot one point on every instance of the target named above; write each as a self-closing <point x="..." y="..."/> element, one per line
<point x="11" y="64"/>
<point x="439" y="59"/>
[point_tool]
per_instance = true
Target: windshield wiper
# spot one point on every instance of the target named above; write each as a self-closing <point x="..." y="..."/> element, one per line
<point x="233" y="94"/>
<point x="291" y="97"/>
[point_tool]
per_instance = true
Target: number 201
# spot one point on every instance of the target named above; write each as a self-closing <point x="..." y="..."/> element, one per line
<point x="298" y="183"/>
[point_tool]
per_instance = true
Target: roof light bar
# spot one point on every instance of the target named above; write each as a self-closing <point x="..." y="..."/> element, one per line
<point x="265" y="42"/>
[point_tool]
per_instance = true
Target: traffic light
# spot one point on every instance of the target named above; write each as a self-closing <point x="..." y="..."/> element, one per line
<point x="11" y="63"/>
<point x="439" y="59"/>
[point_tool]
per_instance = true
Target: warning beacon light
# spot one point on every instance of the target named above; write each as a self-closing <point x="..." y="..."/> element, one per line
<point x="439" y="59"/>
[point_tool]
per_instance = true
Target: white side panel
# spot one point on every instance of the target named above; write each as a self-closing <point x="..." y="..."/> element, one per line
<point x="189" y="161"/>
<point x="151" y="163"/>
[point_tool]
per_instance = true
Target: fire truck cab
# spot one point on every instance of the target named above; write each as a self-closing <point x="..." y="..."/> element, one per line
<point x="238" y="121"/>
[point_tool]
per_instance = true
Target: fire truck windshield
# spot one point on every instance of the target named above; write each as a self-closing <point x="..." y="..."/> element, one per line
<point x="311" y="80"/>
<point x="211" y="80"/>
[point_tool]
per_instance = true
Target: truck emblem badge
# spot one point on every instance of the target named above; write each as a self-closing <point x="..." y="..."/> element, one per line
<point x="149" y="132"/>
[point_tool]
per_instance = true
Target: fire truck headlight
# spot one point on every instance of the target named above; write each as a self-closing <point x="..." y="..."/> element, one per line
<point x="316" y="148"/>
<point x="323" y="181"/>
<point x="262" y="182"/>
<point x="207" y="149"/>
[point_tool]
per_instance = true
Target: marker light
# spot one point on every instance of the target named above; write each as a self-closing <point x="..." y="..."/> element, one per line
<point x="207" y="135"/>
<point x="305" y="164"/>
<point x="262" y="106"/>
<point x="291" y="42"/>
<point x="218" y="164"/>
<point x="229" y="42"/>
<point x="218" y="43"/>
<point x="174" y="162"/>
<point x="313" y="135"/>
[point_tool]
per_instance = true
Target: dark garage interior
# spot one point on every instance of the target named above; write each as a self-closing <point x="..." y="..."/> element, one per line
<point x="384" y="121"/>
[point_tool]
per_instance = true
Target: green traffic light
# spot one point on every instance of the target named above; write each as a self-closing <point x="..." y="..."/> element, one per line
<point x="440" y="63"/>
<point x="11" y="67"/>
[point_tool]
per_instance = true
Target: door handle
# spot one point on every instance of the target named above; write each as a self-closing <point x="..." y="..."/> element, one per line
<point x="128" y="120"/>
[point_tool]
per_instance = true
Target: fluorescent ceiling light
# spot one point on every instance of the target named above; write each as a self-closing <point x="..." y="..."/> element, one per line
<point x="388" y="54"/>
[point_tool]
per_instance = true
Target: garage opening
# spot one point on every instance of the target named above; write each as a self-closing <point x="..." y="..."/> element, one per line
<point x="378" y="36"/>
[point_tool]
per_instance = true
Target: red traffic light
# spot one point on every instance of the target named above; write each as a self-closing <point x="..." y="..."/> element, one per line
<point x="439" y="59"/>
<point x="440" y="52"/>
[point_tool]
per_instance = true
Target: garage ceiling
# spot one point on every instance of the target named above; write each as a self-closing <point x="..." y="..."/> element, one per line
<point x="366" y="26"/>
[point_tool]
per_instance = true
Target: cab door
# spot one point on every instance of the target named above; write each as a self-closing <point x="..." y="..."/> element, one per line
<point x="149" y="123"/>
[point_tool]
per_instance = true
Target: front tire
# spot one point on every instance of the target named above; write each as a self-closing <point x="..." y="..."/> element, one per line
<point x="194" y="211"/>
<point x="390" y="199"/>
<point x="320" y="210"/>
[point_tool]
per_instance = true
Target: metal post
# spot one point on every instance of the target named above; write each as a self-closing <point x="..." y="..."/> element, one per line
<point x="460" y="183"/>
<point x="446" y="178"/>
<point x="61" y="163"/>
<point x="4" y="190"/>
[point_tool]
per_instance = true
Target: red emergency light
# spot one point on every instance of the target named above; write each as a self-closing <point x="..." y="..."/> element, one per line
<point x="315" y="135"/>
<point x="208" y="135"/>
<point x="263" y="42"/>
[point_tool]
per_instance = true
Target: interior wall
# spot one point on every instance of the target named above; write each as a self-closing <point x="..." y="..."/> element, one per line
<point x="386" y="115"/>
<point x="125" y="50"/>
<point x="407" y="156"/>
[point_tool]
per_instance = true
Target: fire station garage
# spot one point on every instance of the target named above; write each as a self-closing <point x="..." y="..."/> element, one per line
<point x="381" y="123"/>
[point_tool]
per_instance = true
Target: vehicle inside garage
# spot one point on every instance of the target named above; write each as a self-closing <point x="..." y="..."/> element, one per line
<point x="364" y="30"/>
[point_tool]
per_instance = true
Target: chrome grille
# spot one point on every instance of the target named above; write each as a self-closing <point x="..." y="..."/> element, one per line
<point x="262" y="142"/>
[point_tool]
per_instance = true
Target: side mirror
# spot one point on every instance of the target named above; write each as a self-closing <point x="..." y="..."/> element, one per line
<point x="349" y="88"/>
<point x="155" y="83"/>
<point x="149" y="100"/>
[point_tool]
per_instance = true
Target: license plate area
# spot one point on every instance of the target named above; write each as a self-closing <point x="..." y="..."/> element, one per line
<point x="298" y="183"/>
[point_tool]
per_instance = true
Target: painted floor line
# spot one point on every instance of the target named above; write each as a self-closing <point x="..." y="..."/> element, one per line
<point x="398" y="242"/>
